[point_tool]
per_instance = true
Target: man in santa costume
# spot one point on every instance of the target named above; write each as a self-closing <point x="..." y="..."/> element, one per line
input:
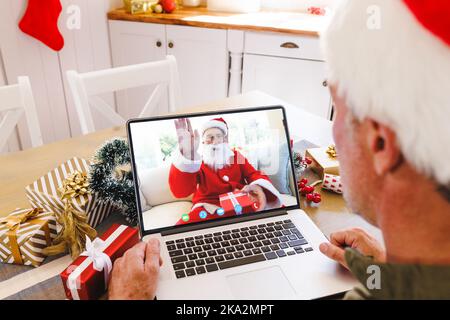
<point x="389" y="75"/>
<point x="218" y="170"/>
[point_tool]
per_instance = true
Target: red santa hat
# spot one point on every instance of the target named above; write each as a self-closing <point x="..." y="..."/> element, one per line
<point x="434" y="15"/>
<point x="390" y="60"/>
<point x="216" y="123"/>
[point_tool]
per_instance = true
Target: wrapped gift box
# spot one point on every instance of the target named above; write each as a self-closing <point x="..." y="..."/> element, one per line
<point x="332" y="183"/>
<point x="231" y="202"/>
<point x="45" y="193"/>
<point x="81" y="280"/>
<point x="322" y="162"/>
<point x="24" y="234"/>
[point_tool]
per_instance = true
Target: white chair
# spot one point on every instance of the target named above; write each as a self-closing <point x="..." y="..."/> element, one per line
<point x="85" y="88"/>
<point x="15" y="100"/>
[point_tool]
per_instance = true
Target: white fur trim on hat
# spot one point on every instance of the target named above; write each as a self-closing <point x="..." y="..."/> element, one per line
<point x="215" y="124"/>
<point x="390" y="68"/>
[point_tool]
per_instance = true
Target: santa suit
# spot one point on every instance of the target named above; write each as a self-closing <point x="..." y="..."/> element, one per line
<point x="194" y="177"/>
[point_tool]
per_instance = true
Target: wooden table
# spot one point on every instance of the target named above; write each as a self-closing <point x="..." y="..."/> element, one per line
<point x="22" y="168"/>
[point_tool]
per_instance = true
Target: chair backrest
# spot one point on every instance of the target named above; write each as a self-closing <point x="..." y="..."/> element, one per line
<point x="87" y="86"/>
<point x="15" y="101"/>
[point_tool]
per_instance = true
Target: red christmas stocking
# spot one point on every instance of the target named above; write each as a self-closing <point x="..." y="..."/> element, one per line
<point x="41" y="22"/>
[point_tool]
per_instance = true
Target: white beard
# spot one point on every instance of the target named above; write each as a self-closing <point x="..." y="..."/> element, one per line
<point x="216" y="156"/>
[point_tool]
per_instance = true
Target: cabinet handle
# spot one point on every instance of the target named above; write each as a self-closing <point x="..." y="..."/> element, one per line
<point x="325" y="83"/>
<point x="171" y="45"/>
<point x="289" y="45"/>
<point x="158" y="44"/>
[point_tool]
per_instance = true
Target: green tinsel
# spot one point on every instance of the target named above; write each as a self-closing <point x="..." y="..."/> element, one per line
<point x="111" y="178"/>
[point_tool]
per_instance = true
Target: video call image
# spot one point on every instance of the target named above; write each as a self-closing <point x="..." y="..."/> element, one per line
<point x="210" y="167"/>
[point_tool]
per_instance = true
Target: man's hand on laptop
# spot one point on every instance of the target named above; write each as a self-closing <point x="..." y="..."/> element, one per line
<point x="135" y="275"/>
<point x="354" y="238"/>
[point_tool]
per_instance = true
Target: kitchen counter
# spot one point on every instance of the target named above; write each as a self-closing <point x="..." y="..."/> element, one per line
<point x="269" y="21"/>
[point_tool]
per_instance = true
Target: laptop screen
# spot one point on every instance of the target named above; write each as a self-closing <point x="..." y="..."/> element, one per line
<point x="202" y="167"/>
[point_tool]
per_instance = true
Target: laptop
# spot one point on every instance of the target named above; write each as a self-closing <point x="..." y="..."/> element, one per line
<point x="218" y="190"/>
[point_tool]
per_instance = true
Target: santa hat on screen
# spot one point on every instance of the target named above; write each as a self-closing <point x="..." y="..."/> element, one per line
<point x="216" y="123"/>
<point x="390" y="59"/>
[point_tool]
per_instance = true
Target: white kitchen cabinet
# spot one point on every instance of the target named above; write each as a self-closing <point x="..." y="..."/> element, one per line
<point x="201" y="55"/>
<point x="202" y="58"/>
<point x="298" y="82"/>
<point x="287" y="67"/>
<point x="134" y="43"/>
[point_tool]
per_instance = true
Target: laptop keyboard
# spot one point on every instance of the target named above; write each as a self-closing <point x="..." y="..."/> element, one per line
<point x="235" y="247"/>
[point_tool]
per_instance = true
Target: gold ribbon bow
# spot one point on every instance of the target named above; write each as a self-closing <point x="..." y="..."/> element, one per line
<point x="75" y="185"/>
<point x="13" y="223"/>
<point x="74" y="223"/>
<point x="331" y="151"/>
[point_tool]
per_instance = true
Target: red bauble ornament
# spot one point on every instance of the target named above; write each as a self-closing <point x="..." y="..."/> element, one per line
<point x="316" y="198"/>
<point x="168" y="5"/>
<point x="310" y="197"/>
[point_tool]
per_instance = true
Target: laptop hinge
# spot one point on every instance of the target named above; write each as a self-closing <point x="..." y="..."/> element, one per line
<point x="224" y="222"/>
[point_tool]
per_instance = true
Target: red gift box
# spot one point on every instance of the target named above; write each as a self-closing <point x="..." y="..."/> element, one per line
<point x="229" y="201"/>
<point x="87" y="277"/>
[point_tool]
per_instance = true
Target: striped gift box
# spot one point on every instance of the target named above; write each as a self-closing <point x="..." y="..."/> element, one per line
<point x="44" y="193"/>
<point x="24" y="244"/>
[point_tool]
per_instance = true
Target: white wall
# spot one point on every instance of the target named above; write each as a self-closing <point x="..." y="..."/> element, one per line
<point x="85" y="49"/>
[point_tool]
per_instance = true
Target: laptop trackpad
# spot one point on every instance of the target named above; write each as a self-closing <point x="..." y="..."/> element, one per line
<point x="268" y="283"/>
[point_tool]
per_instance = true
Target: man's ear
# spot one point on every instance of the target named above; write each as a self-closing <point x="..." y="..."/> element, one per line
<point x="382" y="144"/>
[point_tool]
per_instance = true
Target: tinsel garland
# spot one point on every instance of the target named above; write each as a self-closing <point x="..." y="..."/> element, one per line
<point x="111" y="178"/>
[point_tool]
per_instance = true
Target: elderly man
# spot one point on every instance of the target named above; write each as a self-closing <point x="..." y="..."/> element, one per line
<point x="389" y="71"/>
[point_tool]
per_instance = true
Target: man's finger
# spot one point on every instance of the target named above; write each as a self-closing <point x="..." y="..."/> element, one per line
<point x="152" y="256"/>
<point x="250" y="188"/>
<point x="333" y="252"/>
<point x="189" y="127"/>
<point x="196" y="135"/>
<point x="343" y="238"/>
<point x="117" y="264"/>
<point x="182" y="123"/>
<point x="338" y="238"/>
<point x="136" y="255"/>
